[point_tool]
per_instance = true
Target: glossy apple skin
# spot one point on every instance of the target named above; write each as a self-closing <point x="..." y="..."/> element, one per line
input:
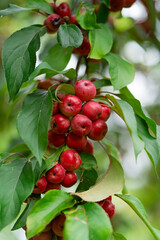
<point x="70" y="105"/>
<point x="73" y="20"/>
<point x="55" y="108"/>
<point x="109" y="208"/>
<point x="58" y="224"/>
<point x="81" y="125"/>
<point x="44" y="236"/>
<point x="63" y="9"/>
<point x="56" y="140"/>
<point x="85" y="90"/>
<point x="55" y="174"/>
<point x="128" y="3"/>
<point x="106" y="111"/>
<point x="44" y="84"/>
<point x="69" y="180"/>
<point x="89" y="148"/>
<point x="116" y="5"/>
<point x="52" y="22"/>
<point x="51" y="186"/>
<point x="103" y="201"/>
<point x="92" y="110"/>
<point x="84" y="48"/>
<point x="40" y="186"/>
<point x="76" y="142"/>
<point x="98" y="131"/>
<point x="70" y="160"/>
<point x="60" y="124"/>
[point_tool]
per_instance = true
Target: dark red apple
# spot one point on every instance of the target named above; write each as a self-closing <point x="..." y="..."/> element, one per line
<point x="85" y="90"/>
<point x="70" y="105"/>
<point x="70" y="160"/>
<point x="92" y="110"/>
<point x="55" y="174"/>
<point x="69" y="180"/>
<point x="60" y="124"/>
<point x="98" y="131"/>
<point x="75" y="141"/>
<point x="40" y="186"/>
<point x="81" y="125"/>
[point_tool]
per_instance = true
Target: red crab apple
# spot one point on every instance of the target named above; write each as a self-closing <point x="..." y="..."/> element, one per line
<point x="103" y="201"/>
<point x="98" y="131"/>
<point x="85" y="90"/>
<point x="92" y="110"/>
<point x="40" y="185"/>
<point x="116" y="5"/>
<point x="44" y="236"/>
<point x="76" y="142"/>
<point x="73" y="20"/>
<point x="128" y="3"/>
<point x="55" y="108"/>
<point x="63" y="9"/>
<point x="70" y="160"/>
<point x="81" y="125"/>
<point x="44" y="84"/>
<point x="70" y="105"/>
<point x="69" y="180"/>
<point x="106" y="111"/>
<point x="109" y="208"/>
<point x="84" y="48"/>
<point x="57" y="225"/>
<point x="60" y="124"/>
<point x="51" y="186"/>
<point x="55" y="174"/>
<point x="52" y="22"/>
<point x="56" y="140"/>
<point x="89" y="148"/>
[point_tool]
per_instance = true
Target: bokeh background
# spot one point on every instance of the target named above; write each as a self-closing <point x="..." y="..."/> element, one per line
<point x="137" y="39"/>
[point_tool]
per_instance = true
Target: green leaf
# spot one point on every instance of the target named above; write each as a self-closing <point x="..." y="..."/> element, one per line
<point x="87" y="180"/>
<point x="137" y="206"/>
<point x="86" y="222"/>
<point x="69" y="36"/>
<point x="121" y="71"/>
<point x="65" y="88"/>
<point x="127" y="96"/>
<point x="46" y="209"/>
<point x="21" y="221"/>
<point x="101" y="41"/>
<point x="86" y="16"/>
<point x="51" y="161"/>
<point x="46" y="68"/>
<point x="41" y="5"/>
<point x="33" y="121"/>
<point x="19" y="57"/>
<point x="150" y="143"/>
<point x="88" y="161"/>
<point x="111" y="148"/>
<point x="12" y="9"/>
<point x="18" y="182"/>
<point x="102" y="14"/>
<point x="106" y="2"/>
<point x="118" y="236"/>
<point x="102" y="83"/>
<point x="37" y="169"/>
<point x="58" y="57"/>
<point x="125" y="111"/>
<point x="111" y="183"/>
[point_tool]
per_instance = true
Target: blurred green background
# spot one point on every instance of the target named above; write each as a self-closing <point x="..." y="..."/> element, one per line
<point x="136" y="37"/>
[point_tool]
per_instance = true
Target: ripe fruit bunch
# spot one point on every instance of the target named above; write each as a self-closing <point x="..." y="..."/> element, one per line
<point x="78" y="117"/>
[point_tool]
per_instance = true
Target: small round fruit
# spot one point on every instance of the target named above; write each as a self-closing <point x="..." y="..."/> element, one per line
<point x="69" y="180"/>
<point x="55" y="108"/>
<point x="60" y="124"/>
<point x="98" y="131"/>
<point x="44" y="84"/>
<point x="70" y="105"/>
<point x="89" y="148"/>
<point x="109" y="208"/>
<point x="116" y="5"/>
<point x="73" y="20"/>
<point x="106" y="111"/>
<point x="44" y="236"/>
<point x="128" y="3"/>
<point x="85" y="90"/>
<point x="92" y="110"/>
<point x="81" y="125"/>
<point x="70" y="160"/>
<point x="40" y="186"/>
<point x="55" y="174"/>
<point x="56" y="140"/>
<point x="51" y="186"/>
<point x="58" y="224"/>
<point x="52" y="22"/>
<point x="84" y="48"/>
<point x="75" y="141"/>
<point x="63" y="9"/>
